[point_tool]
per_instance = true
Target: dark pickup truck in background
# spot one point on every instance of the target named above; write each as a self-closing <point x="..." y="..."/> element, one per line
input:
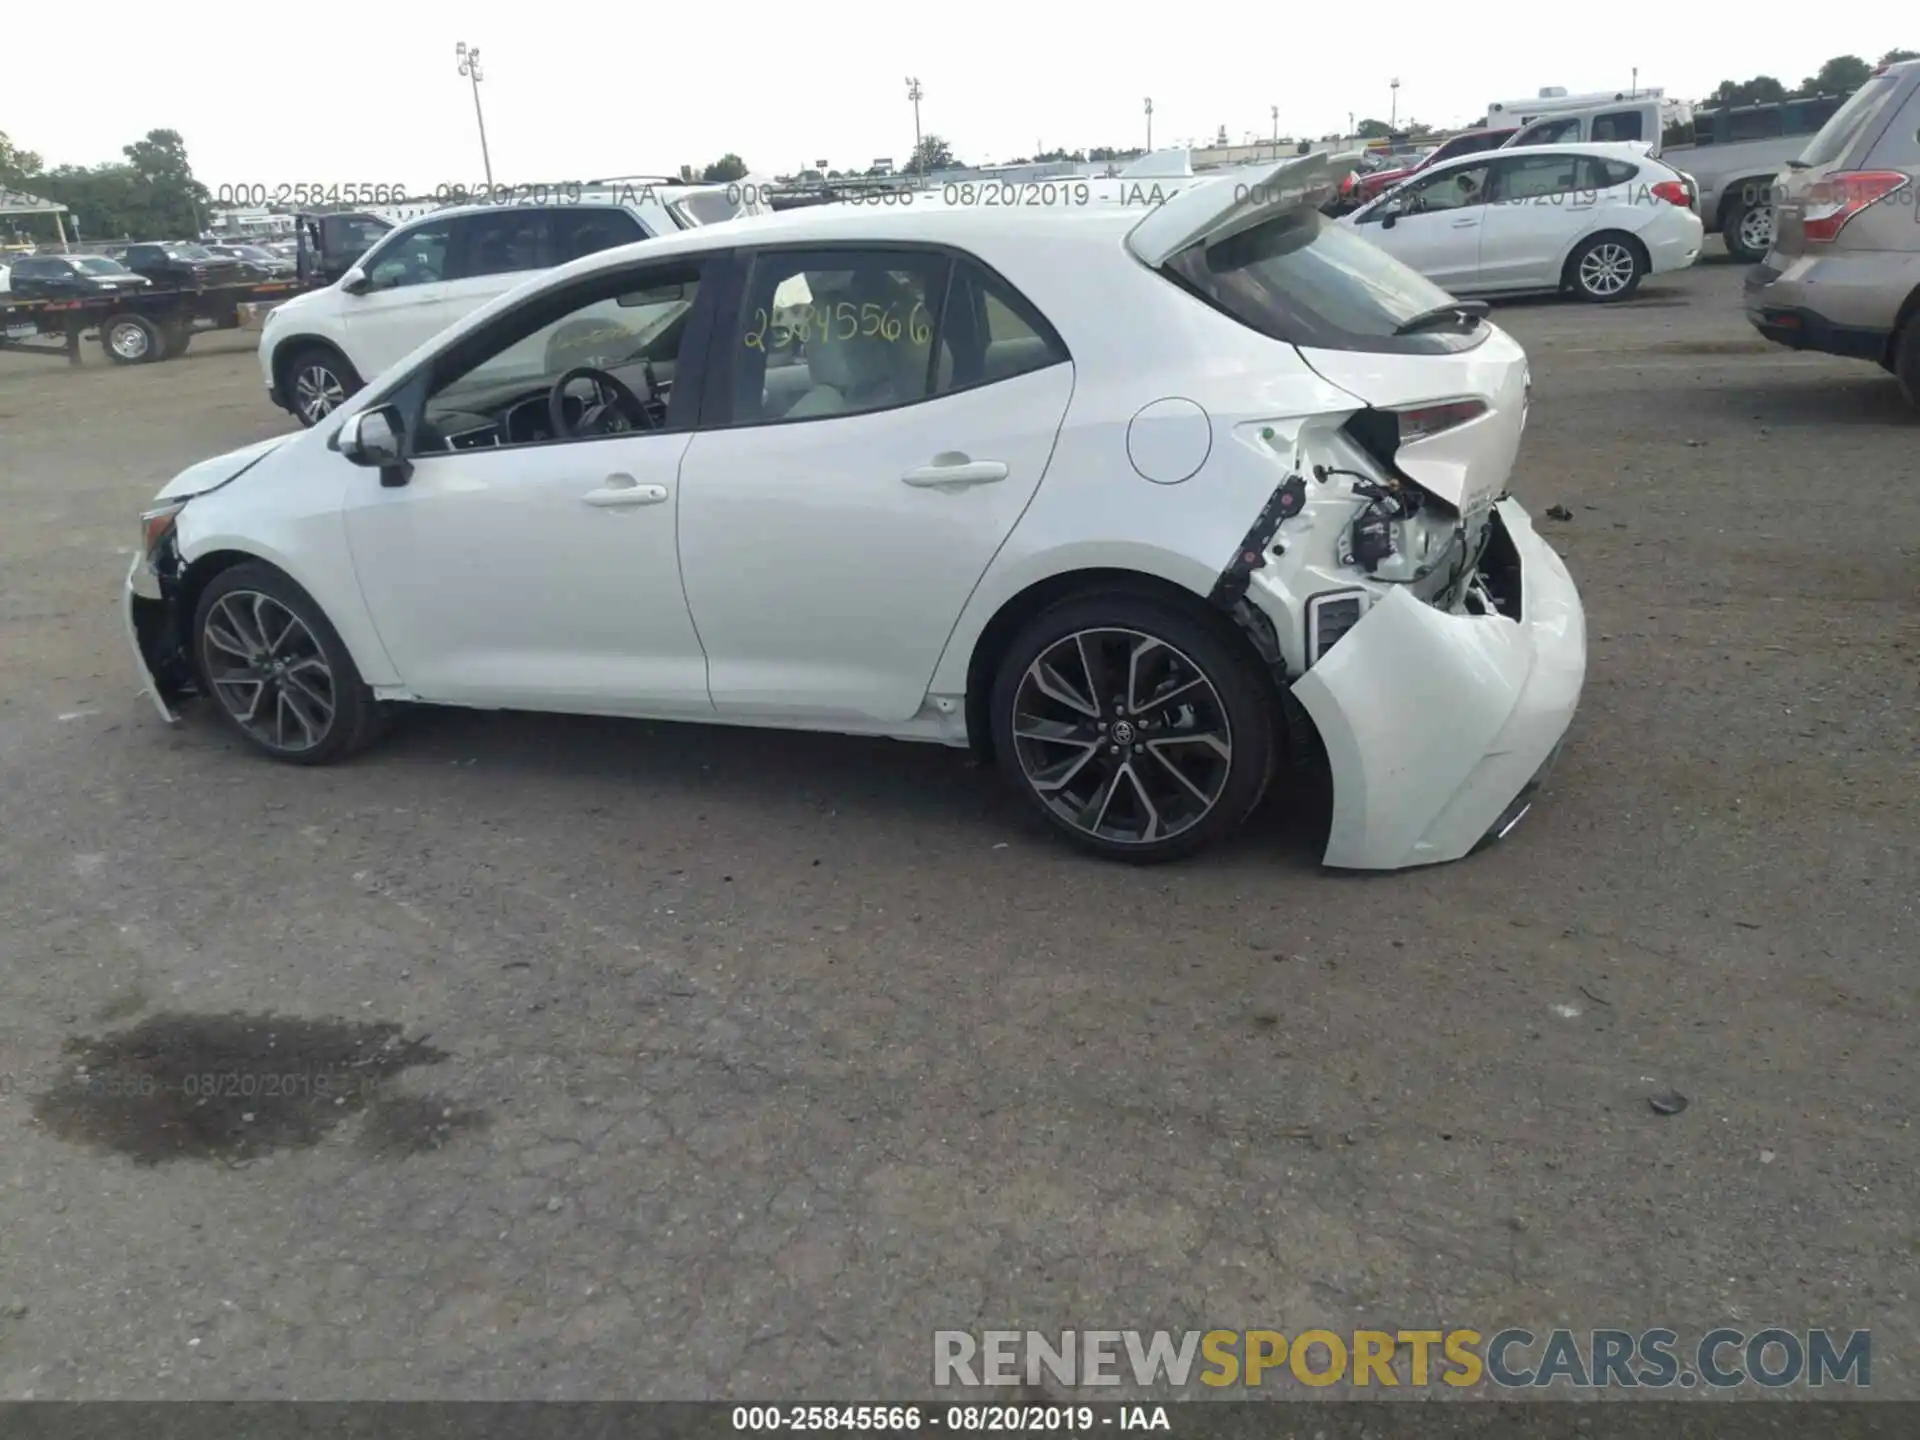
<point x="183" y="265"/>
<point x="62" y="277"/>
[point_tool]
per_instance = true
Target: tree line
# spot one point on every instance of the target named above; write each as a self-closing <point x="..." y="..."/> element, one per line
<point x="150" y="193"/>
<point x="1839" y="76"/>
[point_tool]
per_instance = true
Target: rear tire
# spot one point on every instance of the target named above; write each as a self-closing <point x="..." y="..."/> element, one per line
<point x="1134" y="727"/>
<point x="1606" y="269"/>
<point x="132" y="340"/>
<point x="1747" y="231"/>
<point x="278" y="672"/>
<point x="1906" y="361"/>
<point x="317" y="380"/>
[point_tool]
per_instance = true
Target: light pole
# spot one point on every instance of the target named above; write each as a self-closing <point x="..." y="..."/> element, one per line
<point x="1393" y="116"/>
<point x="469" y="59"/>
<point x="914" y="92"/>
<point x="1276" y="132"/>
<point x="1149" y="124"/>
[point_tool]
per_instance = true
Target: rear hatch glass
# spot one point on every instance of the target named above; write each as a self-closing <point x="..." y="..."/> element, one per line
<point x="1836" y="137"/>
<point x="1301" y="278"/>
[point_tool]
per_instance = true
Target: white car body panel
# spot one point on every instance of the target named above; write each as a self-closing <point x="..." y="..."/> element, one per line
<point x="786" y="574"/>
<point x="1466" y="466"/>
<point x="835" y="520"/>
<point x="613" y="634"/>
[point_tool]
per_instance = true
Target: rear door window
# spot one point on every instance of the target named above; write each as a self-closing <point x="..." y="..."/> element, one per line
<point x="1307" y="280"/>
<point x="575" y="233"/>
<point x="500" y="242"/>
<point x="990" y="332"/>
<point x="1850" y="122"/>
<point x="1618" y="125"/>
<point x="1537" y="177"/>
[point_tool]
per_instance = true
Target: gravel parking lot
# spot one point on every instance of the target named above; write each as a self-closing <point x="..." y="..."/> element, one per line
<point x="747" y="1061"/>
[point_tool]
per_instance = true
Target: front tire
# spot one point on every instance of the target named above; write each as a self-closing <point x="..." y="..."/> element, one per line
<point x="277" y="671"/>
<point x="1606" y="269"/>
<point x="317" y="380"/>
<point x="1133" y="727"/>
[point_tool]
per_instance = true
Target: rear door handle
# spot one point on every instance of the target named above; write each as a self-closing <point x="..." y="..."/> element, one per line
<point x="624" y="490"/>
<point x="1467" y="224"/>
<point x="953" y="468"/>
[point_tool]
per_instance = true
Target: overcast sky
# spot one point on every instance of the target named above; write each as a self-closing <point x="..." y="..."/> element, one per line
<point x="278" y="93"/>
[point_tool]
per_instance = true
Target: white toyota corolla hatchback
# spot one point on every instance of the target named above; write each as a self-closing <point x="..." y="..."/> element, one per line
<point x="1123" y="496"/>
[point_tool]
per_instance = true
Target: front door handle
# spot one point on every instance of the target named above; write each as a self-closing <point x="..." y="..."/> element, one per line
<point x="953" y="468"/>
<point x="1466" y="224"/>
<point x="621" y="490"/>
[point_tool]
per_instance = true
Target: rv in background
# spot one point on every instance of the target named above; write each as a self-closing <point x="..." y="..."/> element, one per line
<point x="1553" y="117"/>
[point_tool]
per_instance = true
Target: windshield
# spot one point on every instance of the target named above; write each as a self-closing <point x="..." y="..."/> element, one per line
<point x="190" y="252"/>
<point x="97" y="265"/>
<point x="1307" y="280"/>
<point x="1839" y="133"/>
<point x="248" y="252"/>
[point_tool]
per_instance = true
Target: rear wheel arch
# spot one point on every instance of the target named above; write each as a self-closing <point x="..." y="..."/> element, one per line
<point x="1642" y="257"/>
<point x="1072" y="585"/>
<point x="1909" y="316"/>
<point x="1737" y="195"/>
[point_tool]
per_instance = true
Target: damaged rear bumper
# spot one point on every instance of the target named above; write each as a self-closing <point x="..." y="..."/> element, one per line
<point x="1438" y="727"/>
<point x="151" y="629"/>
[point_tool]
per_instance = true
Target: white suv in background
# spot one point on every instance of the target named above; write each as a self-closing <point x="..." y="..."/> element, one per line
<point x="320" y="347"/>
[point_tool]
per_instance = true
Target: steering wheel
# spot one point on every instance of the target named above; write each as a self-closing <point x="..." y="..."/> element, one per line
<point x="613" y="409"/>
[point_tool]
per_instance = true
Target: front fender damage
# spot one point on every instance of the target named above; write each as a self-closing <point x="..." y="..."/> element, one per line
<point x="156" y="626"/>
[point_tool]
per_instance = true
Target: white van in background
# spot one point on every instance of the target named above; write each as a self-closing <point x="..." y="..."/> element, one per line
<point x="1553" y="117"/>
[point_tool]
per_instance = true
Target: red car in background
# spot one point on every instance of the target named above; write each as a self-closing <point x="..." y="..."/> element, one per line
<point x="1357" y="188"/>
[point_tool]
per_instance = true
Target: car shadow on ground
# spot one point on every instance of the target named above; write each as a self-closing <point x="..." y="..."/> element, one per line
<point x="801" y="773"/>
<point x="1648" y="297"/>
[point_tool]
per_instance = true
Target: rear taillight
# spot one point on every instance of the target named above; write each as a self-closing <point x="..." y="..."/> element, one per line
<point x="1426" y="421"/>
<point x="1674" y="192"/>
<point x="1832" y="202"/>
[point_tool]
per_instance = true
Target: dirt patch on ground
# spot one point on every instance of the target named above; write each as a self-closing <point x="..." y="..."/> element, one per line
<point x="231" y="1087"/>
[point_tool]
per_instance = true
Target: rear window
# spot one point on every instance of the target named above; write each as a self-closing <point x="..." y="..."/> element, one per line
<point x="1836" y="137"/>
<point x="1304" y="279"/>
<point x="1617" y="126"/>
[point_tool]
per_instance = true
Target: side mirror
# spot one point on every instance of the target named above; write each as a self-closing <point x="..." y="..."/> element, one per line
<point x="356" y="281"/>
<point x="1389" y="216"/>
<point x="372" y="438"/>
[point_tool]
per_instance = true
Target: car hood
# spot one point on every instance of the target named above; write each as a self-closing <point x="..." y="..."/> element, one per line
<point x="212" y="474"/>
